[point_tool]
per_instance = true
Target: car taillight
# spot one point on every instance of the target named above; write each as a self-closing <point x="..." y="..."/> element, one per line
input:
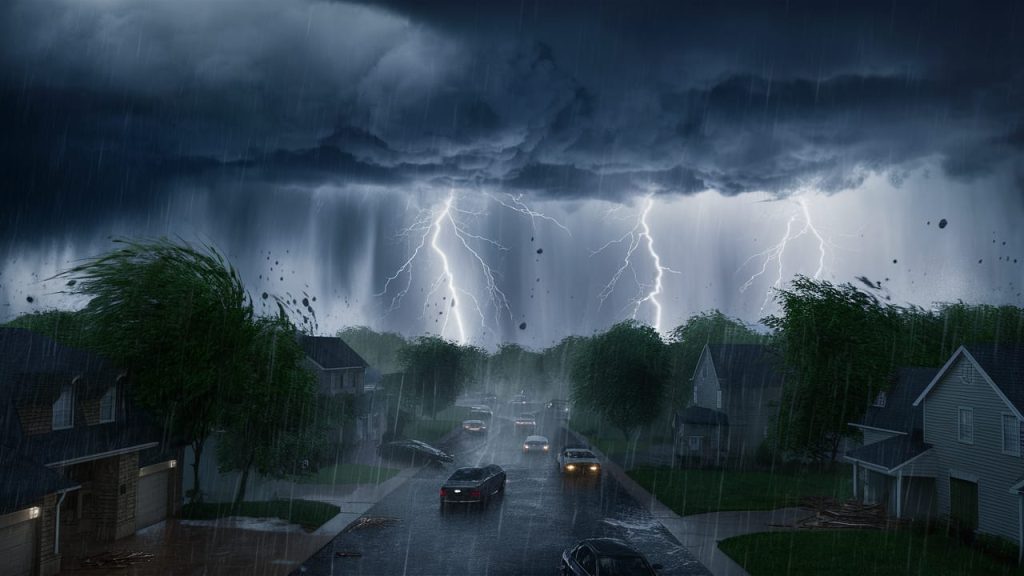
<point x="443" y="492"/>
<point x="474" y="493"/>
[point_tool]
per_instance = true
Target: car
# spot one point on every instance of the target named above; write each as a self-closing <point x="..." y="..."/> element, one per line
<point x="578" y="461"/>
<point x="481" y="413"/>
<point x="525" y="423"/>
<point x="473" y="485"/>
<point x="474" y="426"/>
<point x="536" y="444"/>
<point x="414" y="452"/>
<point x="605" y="557"/>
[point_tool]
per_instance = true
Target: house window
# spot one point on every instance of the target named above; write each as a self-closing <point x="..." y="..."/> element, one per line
<point x="107" y="404"/>
<point x="880" y="400"/>
<point x="965" y="425"/>
<point x="1011" y="435"/>
<point x="63" y="409"/>
<point x="694" y="443"/>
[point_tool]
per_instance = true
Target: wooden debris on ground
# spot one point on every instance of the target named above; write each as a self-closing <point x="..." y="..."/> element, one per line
<point x="373" y="522"/>
<point x="831" y="514"/>
<point x="115" y="559"/>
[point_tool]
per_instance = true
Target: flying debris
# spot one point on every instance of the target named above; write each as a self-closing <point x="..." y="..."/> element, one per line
<point x="540" y="250"/>
<point x="30" y="299"/>
<point x="647" y="292"/>
<point x="942" y="223"/>
<point x="522" y="325"/>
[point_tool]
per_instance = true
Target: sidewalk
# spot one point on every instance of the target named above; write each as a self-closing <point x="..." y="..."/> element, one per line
<point x="701" y="533"/>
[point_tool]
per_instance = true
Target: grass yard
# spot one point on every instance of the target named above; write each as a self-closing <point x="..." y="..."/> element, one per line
<point x="347" y="473"/>
<point x="857" y="552"/>
<point x="691" y="491"/>
<point x="431" y="430"/>
<point x="306" y="513"/>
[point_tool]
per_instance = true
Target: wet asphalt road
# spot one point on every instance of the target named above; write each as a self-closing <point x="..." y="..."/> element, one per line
<point x="523" y="532"/>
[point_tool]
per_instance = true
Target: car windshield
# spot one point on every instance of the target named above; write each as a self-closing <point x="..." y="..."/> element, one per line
<point x="579" y="454"/>
<point x="468" y="474"/>
<point x="623" y="566"/>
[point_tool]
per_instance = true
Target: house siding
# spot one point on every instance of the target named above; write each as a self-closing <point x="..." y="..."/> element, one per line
<point x="705" y="383"/>
<point x="963" y="385"/>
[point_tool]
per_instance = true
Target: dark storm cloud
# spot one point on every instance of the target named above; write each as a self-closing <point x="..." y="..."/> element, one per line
<point x="563" y="99"/>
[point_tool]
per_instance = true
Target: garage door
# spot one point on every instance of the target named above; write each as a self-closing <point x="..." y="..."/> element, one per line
<point x="17" y="548"/>
<point x="963" y="502"/>
<point x="152" y="500"/>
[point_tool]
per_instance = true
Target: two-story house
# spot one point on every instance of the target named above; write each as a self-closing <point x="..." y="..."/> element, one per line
<point x="970" y="443"/>
<point x="736" y="390"/>
<point x="77" y="458"/>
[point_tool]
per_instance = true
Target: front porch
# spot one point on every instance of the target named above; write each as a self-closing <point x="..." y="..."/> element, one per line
<point x="897" y="473"/>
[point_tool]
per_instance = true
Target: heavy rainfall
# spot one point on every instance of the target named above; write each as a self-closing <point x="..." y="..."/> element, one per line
<point x="296" y="287"/>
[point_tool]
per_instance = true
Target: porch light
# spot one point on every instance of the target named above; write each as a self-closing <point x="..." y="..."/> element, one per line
<point x="34" y="512"/>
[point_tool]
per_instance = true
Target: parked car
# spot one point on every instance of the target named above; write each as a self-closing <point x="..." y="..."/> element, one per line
<point x="525" y="423"/>
<point x="474" y="426"/>
<point x="414" y="452"/>
<point x="536" y="444"/>
<point x="578" y="461"/>
<point x="469" y="485"/>
<point x="605" y="557"/>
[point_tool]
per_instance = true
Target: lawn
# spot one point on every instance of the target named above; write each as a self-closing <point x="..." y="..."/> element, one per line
<point x="431" y="430"/>
<point x="347" y="473"/>
<point x="857" y="552"/>
<point x="306" y="513"/>
<point x="691" y="491"/>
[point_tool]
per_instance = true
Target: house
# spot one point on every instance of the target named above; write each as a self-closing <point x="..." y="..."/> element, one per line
<point x="736" y="390"/>
<point x="77" y="458"/>
<point x="341" y="370"/>
<point x="887" y="462"/>
<point x="969" y="448"/>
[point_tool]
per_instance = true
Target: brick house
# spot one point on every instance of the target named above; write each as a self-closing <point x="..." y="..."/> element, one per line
<point x="77" y="458"/>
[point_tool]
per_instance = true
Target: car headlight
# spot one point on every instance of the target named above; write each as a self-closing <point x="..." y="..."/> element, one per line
<point x="526" y="446"/>
<point x="593" y="467"/>
<point x="570" y="467"/>
<point x="545" y="446"/>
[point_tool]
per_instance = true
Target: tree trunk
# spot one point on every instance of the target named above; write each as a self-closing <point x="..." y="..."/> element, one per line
<point x="240" y="495"/>
<point x="196" y="495"/>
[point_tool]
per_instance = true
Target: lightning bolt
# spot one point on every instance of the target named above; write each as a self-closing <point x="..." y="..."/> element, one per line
<point x="450" y="220"/>
<point x="639" y="234"/>
<point x="776" y="252"/>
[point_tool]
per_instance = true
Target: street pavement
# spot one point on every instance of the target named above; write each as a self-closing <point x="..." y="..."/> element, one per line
<point x="521" y="533"/>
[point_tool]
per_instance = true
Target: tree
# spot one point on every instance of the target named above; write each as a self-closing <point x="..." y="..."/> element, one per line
<point x="379" y="349"/>
<point x="65" y="326"/>
<point x="269" y="426"/>
<point x="687" y="340"/>
<point x="518" y="368"/>
<point x="435" y="373"/>
<point x="621" y="375"/>
<point x="178" y="318"/>
<point x="838" y="343"/>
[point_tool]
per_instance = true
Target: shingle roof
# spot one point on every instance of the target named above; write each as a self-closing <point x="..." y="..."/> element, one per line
<point x="899" y="413"/>
<point x="24" y="481"/>
<point x="701" y="415"/>
<point x="1004" y="364"/>
<point x="330" y="352"/>
<point x="890" y="453"/>
<point x="746" y="365"/>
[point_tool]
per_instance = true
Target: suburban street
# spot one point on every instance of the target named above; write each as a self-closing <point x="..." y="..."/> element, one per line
<point x="523" y="532"/>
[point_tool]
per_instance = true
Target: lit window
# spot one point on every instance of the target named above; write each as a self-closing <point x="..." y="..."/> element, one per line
<point x="880" y="400"/>
<point x="107" y="404"/>
<point x="1011" y="435"/>
<point x="965" y="425"/>
<point x="63" y="409"/>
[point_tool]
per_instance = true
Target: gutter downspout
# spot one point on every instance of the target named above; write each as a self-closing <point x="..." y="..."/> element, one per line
<point x="56" y="527"/>
<point x="1020" y="533"/>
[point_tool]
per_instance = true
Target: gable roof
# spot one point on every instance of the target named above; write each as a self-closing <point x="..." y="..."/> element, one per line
<point x="899" y="413"/>
<point x="891" y="453"/>
<point x="1002" y="366"/>
<point x="331" y="353"/>
<point x="746" y="365"/>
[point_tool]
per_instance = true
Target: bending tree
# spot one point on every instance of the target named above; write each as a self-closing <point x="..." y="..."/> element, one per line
<point x="179" y="319"/>
<point x="622" y="375"/>
<point x="435" y="372"/>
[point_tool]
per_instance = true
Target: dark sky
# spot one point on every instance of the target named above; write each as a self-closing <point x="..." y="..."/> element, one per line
<point x="337" y="131"/>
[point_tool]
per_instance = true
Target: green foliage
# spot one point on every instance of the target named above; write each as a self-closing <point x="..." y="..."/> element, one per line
<point x="307" y="513"/>
<point x="687" y="341"/>
<point x="622" y="375"/>
<point x="929" y="337"/>
<point x="838" y="343"/>
<point x="517" y="368"/>
<point x="269" y="425"/>
<point x="379" y="349"/>
<point x="435" y="373"/>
